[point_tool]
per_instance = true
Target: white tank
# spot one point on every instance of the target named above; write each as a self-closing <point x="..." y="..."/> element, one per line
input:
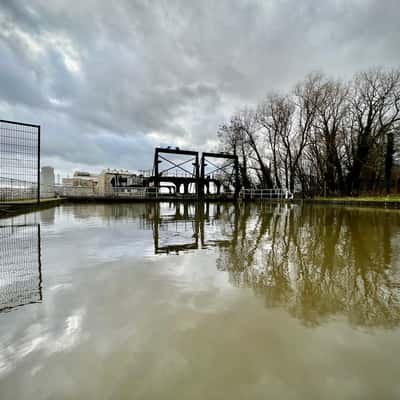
<point x="47" y="182"/>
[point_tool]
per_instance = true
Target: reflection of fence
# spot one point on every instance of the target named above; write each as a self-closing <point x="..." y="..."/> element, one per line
<point x="19" y="161"/>
<point x="20" y="268"/>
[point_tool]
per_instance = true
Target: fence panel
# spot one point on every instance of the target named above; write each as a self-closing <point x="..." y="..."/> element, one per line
<point x="19" y="161"/>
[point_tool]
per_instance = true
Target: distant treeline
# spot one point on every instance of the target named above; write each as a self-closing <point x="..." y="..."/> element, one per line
<point x="325" y="137"/>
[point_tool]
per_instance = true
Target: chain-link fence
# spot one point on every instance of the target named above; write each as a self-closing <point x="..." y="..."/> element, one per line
<point x="20" y="266"/>
<point x="19" y="161"/>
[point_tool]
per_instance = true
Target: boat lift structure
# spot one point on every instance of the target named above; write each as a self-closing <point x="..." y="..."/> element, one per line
<point x="189" y="177"/>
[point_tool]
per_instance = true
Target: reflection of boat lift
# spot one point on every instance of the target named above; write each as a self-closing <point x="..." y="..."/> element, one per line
<point x="195" y="222"/>
<point x="174" y="248"/>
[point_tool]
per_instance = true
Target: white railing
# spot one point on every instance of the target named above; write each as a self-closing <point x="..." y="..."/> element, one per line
<point x="130" y="193"/>
<point x="225" y="194"/>
<point x="121" y="192"/>
<point x="177" y="174"/>
<point x="153" y="192"/>
<point x="266" y="194"/>
<point x="117" y="193"/>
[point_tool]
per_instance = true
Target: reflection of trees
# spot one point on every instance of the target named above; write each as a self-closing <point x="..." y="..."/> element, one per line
<point x="318" y="261"/>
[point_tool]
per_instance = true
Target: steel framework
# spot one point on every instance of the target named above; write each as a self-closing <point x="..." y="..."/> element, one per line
<point x="183" y="175"/>
<point x="198" y="175"/>
<point x="230" y="170"/>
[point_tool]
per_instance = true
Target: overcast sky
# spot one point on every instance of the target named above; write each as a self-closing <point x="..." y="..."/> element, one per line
<point x="109" y="80"/>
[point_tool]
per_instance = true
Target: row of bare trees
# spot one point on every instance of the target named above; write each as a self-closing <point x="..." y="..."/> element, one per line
<point x="325" y="137"/>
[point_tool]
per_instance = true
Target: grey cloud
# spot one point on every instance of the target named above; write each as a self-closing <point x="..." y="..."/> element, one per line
<point x="109" y="79"/>
<point x="18" y="86"/>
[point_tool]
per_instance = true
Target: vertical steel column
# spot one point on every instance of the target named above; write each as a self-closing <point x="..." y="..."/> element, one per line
<point x="38" y="167"/>
<point x="156" y="168"/>
<point x="197" y="184"/>
<point x="202" y="178"/>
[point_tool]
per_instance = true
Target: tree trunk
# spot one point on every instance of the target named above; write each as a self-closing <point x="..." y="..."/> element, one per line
<point x="389" y="153"/>
<point x="360" y="159"/>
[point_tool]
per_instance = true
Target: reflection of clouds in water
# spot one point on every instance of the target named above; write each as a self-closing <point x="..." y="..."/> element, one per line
<point x="200" y="288"/>
<point x="311" y="262"/>
<point x="113" y="252"/>
<point x="70" y="336"/>
<point x="4" y="363"/>
<point x="143" y="315"/>
<point x="59" y="287"/>
<point x="37" y="340"/>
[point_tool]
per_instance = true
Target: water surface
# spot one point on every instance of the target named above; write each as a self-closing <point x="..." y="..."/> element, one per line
<point x="195" y="301"/>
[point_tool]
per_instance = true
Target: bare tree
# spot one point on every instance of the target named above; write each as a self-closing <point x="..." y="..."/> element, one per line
<point x="304" y="98"/>
<point x="275" y="114"/>
<point x="375" y="107"/>
<point x="233" y="140"/>
<point x="331" y="107"/>
<point x="246" y="121"/>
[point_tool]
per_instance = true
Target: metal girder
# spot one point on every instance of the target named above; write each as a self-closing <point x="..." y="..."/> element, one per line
<point x="218" y="167"/>
<point x="176" y="151"/>
<point x="177" y="165"/>
<point x="235" y="171"/>
<point x="219" y="155"/>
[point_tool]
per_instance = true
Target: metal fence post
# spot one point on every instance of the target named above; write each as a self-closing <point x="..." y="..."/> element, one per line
<point x="38" y="167"/>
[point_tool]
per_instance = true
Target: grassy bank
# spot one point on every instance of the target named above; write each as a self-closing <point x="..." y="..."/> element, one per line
<point x="391" y="201"/>
<point x="376" y="199"/>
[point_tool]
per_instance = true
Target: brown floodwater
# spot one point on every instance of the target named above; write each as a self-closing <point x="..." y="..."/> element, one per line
<point x="200" y="301"/>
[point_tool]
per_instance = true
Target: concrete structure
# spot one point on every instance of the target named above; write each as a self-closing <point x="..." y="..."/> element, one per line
<point x="81" y="179"/>
<point x="114" y="180"/>
<point x="47" y="182"/>
<point x="109" y="182"/>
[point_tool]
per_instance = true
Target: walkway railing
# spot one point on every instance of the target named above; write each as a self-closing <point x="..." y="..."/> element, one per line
<point x="130" y="193"/>
<point x="12" y="190"/>
<point x="91" y="192"/>
<point x="16" y="189"/>
<point x="266" y="194"/>
<point x="153" y="192"/>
